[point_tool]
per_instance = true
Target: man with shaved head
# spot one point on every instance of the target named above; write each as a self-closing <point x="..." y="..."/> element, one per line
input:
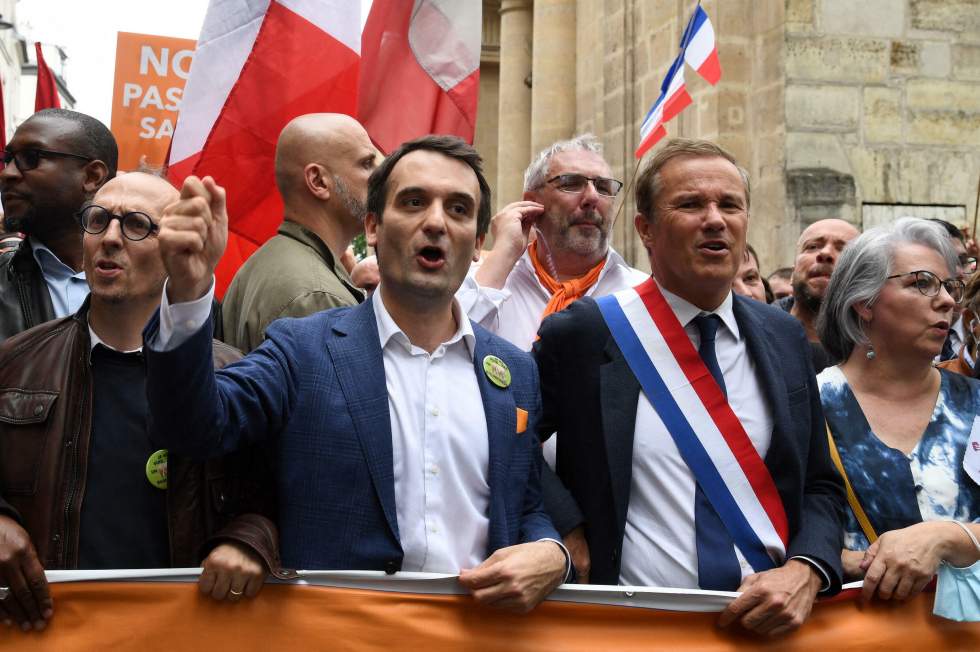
<point x="323" y="161"/>
<point x="55" y="161"/>
<point x="81" y="484"/>
<point x="817" y="252"/>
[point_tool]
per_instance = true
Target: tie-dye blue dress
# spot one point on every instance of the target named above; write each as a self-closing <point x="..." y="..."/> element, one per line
<point x="898" y="490"/>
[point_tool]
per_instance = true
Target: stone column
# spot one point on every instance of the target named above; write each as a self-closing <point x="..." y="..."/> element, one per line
<point x="553" y="73"/>
<point x="514" y="117"/>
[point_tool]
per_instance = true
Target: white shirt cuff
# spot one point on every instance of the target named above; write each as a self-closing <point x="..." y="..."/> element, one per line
<point x="480" y="303"/>
<point x="568" y="558"/>
<point x="819" y="567"/>
<point x="178" y="322"/>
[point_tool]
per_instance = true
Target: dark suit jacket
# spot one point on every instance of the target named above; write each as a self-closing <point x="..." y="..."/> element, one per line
<point x="317" y="386"/>
<point x="590" y="397"/>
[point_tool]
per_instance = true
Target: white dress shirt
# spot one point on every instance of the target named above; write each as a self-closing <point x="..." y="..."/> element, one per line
<point x="514" y="312"/>
<point x="440" y="445"/>
<point x="659" y="546"/>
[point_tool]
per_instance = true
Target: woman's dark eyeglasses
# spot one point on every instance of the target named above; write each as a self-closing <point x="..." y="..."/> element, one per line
<point x="30" y="158"/>
<point x="135" y="225"/>
<point x="577" y="182"/>
<point x="928" y="284"/>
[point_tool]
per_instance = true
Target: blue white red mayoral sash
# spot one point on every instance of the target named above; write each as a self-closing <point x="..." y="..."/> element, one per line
<point x="697" y="415"/>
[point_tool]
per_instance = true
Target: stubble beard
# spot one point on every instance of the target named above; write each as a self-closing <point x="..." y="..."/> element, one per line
<point x="354" y="206"/>
<point x="574" y="241"/>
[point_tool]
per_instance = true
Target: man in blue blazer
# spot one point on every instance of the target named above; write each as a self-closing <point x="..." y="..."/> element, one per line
<point x="645" y="498"/>
<point x="404" y="434"/>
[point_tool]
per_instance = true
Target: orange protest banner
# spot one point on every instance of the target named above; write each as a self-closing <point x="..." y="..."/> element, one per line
<point x="150" y="76"/>
<point x="146" y="615"/>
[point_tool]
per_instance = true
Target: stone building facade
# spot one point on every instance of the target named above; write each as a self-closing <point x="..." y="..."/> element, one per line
<point x="861" y="110"/>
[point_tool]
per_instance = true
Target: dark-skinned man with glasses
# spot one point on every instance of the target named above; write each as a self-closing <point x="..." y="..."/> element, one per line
<point x="550" y="249"/>
<point x="81" y="485"/>
<point x="56" y="160"/>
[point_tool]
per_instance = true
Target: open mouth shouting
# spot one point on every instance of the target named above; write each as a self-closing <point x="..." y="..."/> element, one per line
<point x="431" y="257"/>
<point x="714" y="248"/>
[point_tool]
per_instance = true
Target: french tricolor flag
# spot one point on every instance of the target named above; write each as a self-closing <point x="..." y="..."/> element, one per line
<point x="699" y="51"/>
<point x="673" y="99"/>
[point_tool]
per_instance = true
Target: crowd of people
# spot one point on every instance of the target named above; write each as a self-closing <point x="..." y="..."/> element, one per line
<point x="525" y="413"/>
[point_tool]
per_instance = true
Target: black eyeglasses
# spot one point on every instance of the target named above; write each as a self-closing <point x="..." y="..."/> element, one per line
<point x="574" y="183"/>
<point x="928" y="284"/>
<point x="30" y="158"/>
<point x="135" y="225"/>
<point x="968" y="263"/>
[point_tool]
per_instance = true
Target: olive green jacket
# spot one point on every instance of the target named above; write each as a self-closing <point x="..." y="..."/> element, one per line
<point x="294" y="274"/>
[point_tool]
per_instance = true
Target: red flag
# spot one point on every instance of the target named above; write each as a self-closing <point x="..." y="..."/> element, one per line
<point x="3" y="120"/>
<point x="420" y="70"/>
<point x="46" y="96"/>
<point x="255" y="69"/>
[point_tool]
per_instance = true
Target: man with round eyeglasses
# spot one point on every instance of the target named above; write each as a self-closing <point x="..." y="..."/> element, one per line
<point x="74" y="429"/>
<point x="56" y="160"/>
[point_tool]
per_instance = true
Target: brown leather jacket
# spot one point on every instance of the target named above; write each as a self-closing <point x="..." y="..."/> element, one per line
<point x="45" y="426"/>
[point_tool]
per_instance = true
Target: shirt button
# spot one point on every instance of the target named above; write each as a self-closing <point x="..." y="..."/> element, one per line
<point x="434" y="470"/>
<point x="434" y="411"/>
<point x="189" y="325"/>
<point x="433" y="529"/>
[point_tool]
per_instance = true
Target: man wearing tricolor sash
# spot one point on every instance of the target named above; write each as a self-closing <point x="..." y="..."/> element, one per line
<point x="688" y="423"/>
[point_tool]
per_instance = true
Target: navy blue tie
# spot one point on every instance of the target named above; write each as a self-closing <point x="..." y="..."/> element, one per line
<point x="718" y="568"/>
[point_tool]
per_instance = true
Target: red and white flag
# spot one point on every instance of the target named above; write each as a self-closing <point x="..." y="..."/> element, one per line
<point x="46" y="95"/>
<point x="258" y="65"/>
<point x="420" y="70"/>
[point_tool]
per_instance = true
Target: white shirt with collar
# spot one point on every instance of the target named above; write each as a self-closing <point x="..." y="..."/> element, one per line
<point x="66" y="287"/>
<point x="440" y="446"/>
<point x="439" y="439"/>
<point x="514" y="312"/>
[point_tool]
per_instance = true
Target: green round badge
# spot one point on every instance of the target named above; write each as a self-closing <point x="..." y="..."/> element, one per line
<point x="497" y="371"/>
<point x="156" y="469"/>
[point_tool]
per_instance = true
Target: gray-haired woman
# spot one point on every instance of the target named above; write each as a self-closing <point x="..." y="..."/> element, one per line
<point x="899" y="425"/>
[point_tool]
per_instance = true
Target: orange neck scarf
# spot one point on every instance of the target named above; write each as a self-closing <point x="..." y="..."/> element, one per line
<point x="563" y="294"/>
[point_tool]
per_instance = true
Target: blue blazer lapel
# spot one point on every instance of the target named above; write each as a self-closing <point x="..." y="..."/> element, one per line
<point x="356" y="354"/>
<point x="759" y="342"/>
<point x="501" y="414"/>
<point x="619" y="391"/>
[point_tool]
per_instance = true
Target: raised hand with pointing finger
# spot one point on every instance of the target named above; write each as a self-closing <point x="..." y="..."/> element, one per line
<point x="193" y="236"/>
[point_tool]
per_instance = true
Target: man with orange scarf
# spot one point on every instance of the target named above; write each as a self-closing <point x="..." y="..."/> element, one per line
<point x="567" y="216"/>
<point x="549" y="250"/>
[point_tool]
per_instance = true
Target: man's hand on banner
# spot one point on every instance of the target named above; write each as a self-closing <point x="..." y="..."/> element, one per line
<point x="28" y="602"/>
<point x="775" y="602"/>
<point x="518" y="577"/>
<point x="193" y="236"/>
<point x="232" y="571"/>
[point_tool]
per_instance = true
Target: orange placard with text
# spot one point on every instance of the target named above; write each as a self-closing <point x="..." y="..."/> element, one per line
<point x="150" y="76"/>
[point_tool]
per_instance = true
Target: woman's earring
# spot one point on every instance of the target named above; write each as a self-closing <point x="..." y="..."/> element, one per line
<point x="870" y="355"/>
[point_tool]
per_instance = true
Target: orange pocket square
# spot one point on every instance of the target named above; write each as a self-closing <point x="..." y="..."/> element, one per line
<point x="521" y="420"/>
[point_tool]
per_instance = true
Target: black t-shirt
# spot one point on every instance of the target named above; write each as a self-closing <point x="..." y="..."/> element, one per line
<point x="124" y="517"/>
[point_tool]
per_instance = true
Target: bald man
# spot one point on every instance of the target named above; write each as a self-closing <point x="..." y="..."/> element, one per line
<point x="101" y="493"/>
<point x="817" y="252"/>
<point x="323" y="161"/>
